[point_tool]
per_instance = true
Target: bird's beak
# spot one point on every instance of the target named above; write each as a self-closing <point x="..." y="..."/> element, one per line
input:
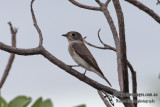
<point x="64" y="35"/>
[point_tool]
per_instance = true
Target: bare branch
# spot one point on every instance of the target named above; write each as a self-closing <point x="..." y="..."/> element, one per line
<point x="107" y="2"/>
<point x="134" y="82"/>
<point x="116" y="40"/>
<point x="99" y="36"/>
<point x="76" y="74"/>
<point x="146" y="9"/>
<point x="36" y="25"/>
<point x="99" y="2"/>
<point x="103" y="98"/>
<point x="133" y="72"/>
<point x="85" y="6"/>
<point x="94" y="45"/>
<point x="20" y="51"/>
<point x="122" y="45"/>
<point x="12" y="56"/>
<point x="41" y="50"/>
<point x="105" y="45"/>
<point x="62" y="65"/>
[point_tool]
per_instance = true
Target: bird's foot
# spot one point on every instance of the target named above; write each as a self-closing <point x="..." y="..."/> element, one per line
<point x="84" y="72"/>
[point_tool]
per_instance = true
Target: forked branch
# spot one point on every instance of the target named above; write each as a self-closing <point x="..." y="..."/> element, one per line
<point x="36" y="25"/>
<point x="42" y="51"/>
<point x="133" y="72"/>
<point x="84" y="6"/>
<point x="12" y="56"/>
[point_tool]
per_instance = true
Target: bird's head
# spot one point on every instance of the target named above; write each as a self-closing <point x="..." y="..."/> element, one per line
<point x="73" y="36"/>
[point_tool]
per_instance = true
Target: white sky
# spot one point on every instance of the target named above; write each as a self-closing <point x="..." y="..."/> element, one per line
<point x="35" y="76"/>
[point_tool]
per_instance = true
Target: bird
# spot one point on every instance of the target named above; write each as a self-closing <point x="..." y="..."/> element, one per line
<point x="81" y="54"/>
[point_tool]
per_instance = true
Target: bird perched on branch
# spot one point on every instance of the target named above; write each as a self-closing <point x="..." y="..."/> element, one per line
<point x="81" y="55"/>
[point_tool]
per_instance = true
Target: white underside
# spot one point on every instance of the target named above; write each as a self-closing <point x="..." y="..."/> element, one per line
<point x="84" y="64"/>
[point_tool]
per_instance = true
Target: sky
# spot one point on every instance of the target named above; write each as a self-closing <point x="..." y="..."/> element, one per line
<point x="35" y="76"/>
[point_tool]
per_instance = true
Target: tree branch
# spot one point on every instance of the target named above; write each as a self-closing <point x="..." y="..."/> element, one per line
<point x="107" y="2"/>
<point x="20" y="51"/>
<point x="104" y="100"/>
<point x="99" y="37"/>
<point x="12" y="56"/>
<point x="60" y="64"/>
<point x="105" y="47"/>
<point x="76" y="74"/>
<point x="36" y="25"/>
<point x="146" y="9"/>
<point x="123" y="54"/>
<point x="116" y="40"/>
<point x="85" y="6"/>
<point x="133" y="72"/>
<point x="134" y="82"/>
<point x="42" y="51"/>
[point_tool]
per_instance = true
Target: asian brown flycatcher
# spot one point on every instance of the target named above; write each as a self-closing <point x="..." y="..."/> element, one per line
<point x="81" y="55"/>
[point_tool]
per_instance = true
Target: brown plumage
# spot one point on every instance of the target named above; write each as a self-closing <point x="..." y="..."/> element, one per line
<point x="81" y="55"/>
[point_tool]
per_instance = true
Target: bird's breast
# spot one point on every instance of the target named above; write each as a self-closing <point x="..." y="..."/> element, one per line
<point x="78" y="59"/>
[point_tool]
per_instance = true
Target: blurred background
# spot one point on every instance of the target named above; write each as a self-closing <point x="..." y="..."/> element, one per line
<point x="35" y="76"/>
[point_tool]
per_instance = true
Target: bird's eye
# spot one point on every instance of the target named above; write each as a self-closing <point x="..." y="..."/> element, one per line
<point x="73" y="34"/>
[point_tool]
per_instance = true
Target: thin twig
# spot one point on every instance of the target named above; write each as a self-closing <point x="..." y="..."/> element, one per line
<point x="146" y="9"/>
<point x="99" y="36"/>
<point x="85" y="6"/>
<point x="98" y="47"/>
<point x="107" y="2"/>
<point x="105" y="45"/>
<point x="12" y="56"/>
<point x="134" y="82"/>
<point x="95" y="45"/>
<point x="36" y="25"/>
<point x="104" y="100"/>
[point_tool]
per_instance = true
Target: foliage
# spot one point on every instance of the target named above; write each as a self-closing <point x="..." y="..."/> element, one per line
<point x="23" y="101"/>
<point x="83" y="105"/>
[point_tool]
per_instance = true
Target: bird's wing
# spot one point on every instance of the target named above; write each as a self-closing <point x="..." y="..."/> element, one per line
<point x="85" y="54"/>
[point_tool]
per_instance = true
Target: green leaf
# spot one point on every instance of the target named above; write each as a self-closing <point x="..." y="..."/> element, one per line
<point x="3" y="103"/>
<point x="47" y="103"/>
<point x="38" y="102"/>
<point x="20" y="101"/>
<point x="83" y="105"/>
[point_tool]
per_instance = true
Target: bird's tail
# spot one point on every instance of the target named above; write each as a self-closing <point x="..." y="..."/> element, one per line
<point x="107" y="80"/>
<point x="102" y="76"/>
